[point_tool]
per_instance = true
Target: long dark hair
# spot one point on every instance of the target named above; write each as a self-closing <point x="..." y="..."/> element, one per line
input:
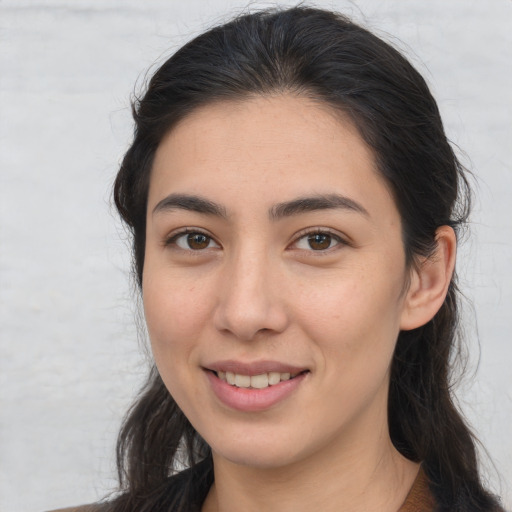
<point x="324" y="56"/>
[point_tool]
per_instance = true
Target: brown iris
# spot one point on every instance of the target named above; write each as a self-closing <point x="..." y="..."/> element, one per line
<point x="319" y="241"/>
<point x="198" y="241"/>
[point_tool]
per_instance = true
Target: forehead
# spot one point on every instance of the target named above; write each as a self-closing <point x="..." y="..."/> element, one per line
<point x="271" y="123"/>
<point x="266" y="148"/>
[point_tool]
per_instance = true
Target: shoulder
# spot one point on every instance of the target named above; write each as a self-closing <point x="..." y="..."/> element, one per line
<point x="420" y="498"/>
<point x="95" y="507"/>
<point x="185" y="490"/>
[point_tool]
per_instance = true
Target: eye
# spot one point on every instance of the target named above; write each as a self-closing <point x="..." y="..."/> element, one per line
<point x="318" y="241"/>
<point x="192" y="241"/>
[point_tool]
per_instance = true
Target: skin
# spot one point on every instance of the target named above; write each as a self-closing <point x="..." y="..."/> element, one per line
<point x="256" y="288"/>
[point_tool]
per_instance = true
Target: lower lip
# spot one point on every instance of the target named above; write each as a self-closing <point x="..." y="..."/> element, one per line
<point x="251" y="399"/>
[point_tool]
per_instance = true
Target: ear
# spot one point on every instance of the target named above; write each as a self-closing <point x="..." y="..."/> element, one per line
<point x="429" y="282"/>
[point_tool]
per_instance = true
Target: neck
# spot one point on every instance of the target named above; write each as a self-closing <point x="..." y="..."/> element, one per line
<point x="353" y="477"/>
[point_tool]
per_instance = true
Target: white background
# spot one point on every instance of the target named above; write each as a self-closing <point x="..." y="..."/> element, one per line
<point x="70" y="361"/>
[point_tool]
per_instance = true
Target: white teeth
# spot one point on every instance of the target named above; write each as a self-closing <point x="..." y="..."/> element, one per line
<point x="274" y="378"/>
<point x="242" y="381"/>
<point x="261" y="381"/>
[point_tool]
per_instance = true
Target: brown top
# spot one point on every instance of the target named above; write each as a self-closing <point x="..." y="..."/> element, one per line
<point x="81" y="508"/>
<point x="419" y="499"/>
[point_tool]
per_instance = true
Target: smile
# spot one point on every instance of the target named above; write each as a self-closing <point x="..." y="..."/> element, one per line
<point x="254" y="387"/>
<point x="262" y="381"/>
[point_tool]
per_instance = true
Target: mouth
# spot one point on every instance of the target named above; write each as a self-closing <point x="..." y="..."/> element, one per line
<point x="254" y="387"/>
<point x="260" y="381"/>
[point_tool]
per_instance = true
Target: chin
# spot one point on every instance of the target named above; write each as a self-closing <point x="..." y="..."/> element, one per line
<point x="257" y="459"/>
<point x="262" y="451"/>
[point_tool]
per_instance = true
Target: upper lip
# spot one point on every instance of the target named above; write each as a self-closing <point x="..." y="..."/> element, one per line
<point x="253" y="368"/>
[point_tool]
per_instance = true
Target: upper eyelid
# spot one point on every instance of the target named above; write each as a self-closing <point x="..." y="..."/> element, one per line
<point x="320" y="230"/>
<point x="175" y="234"/>
<point x="295" y="238"/>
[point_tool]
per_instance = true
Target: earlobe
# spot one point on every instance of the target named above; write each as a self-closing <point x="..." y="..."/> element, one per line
<point x="430" y="281"/>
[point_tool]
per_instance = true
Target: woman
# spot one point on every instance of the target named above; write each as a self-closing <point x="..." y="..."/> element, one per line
<point x="294" y="205"/>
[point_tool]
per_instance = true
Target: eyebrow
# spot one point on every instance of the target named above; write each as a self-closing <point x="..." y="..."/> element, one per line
<point x="315" y="203"/>
<point x="191" y="203"/>
<point x="279" y="211"/>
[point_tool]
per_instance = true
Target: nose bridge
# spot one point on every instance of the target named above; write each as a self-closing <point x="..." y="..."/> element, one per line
<point x="248" y="302"/>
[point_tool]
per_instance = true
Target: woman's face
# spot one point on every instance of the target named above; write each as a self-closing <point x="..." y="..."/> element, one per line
<point x="274" y="260"/>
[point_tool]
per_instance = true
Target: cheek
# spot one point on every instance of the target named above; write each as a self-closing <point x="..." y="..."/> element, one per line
<point x="174" y="319"/>
<point x="175" y="312"/>
<point x="354" y="317"/>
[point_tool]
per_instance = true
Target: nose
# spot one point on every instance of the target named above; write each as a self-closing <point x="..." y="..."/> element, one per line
<point x="250" y="301"/>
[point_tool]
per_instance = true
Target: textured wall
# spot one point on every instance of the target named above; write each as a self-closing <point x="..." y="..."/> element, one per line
<point x="69" y="356"/>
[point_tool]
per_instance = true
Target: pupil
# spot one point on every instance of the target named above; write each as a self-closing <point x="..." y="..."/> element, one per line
<point x="319" y="241"/>
<point x="197" y="241"/>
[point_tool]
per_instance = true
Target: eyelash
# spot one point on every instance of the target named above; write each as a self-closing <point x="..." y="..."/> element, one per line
<point x="172" y="240"/>
<point x="340" y="241"/>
